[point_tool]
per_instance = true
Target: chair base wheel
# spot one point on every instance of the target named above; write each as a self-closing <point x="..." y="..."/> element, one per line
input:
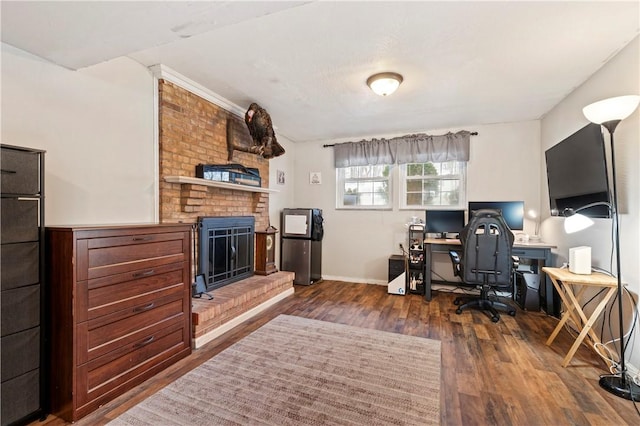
<point x="484" y="303"/>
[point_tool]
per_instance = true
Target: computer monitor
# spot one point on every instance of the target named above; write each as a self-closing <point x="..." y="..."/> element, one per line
<point x="444" y="222"/>
<point x="512" y="211"/>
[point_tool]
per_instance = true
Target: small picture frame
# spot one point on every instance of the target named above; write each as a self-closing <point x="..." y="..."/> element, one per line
<point x="280" y="177"/>
<point x="315" y="178"/>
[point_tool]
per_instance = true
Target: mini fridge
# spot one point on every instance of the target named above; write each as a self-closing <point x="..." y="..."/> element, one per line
<point x="301" y="244"/>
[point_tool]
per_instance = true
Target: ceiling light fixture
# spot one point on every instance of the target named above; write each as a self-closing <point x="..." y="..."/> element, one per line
<point x="384" y="83"/>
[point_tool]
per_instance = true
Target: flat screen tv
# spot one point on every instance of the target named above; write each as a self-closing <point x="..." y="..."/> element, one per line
<point x="577" y="173"/>
<point x="512" y="211"/>
<point x="444" y="222"/>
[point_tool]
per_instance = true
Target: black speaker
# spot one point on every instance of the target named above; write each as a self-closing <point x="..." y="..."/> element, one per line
<point x="527" y="294"/>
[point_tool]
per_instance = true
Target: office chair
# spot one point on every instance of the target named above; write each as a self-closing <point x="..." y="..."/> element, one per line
<point x="486" y="262"/>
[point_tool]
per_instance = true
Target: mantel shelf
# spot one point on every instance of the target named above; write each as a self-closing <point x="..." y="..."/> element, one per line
<point x="216" y="184"/>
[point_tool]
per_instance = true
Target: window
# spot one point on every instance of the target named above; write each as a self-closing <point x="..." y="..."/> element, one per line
<point x="364" y="187"/>
<point x="433" y="184"/>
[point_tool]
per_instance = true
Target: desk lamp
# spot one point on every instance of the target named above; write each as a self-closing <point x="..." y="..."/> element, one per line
<point x="535" y="238"/>
<point x="575" y="221"/>
<point x="609" y="113"/>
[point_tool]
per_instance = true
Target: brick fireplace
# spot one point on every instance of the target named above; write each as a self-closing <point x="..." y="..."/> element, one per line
<point x="192" y="131"/>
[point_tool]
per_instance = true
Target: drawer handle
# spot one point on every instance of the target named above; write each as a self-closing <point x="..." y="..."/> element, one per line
<point x="144" y="308"/>
<point x="144" y="342"/>
<point x="142" y="238"/>
<point x="8" y="172"/>
<point x="143" y="274"/>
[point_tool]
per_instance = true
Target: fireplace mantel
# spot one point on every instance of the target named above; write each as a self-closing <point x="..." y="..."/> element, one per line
<point x="206" y="182"/>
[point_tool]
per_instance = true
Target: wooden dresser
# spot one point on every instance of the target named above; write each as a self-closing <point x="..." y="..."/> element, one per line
<point x="120" y="310"/>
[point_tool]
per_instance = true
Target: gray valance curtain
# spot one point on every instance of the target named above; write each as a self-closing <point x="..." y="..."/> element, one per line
<point x="418" y="148"/>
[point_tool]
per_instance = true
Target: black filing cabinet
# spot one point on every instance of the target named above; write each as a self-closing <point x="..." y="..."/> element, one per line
<point x="22" y="278"/>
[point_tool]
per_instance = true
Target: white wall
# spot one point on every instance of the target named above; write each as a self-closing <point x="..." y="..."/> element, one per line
<point x="619" y="76"/>
<point x="504" y="165"/>
<point x="284" y="197"/>
<point x="97" y="126"/>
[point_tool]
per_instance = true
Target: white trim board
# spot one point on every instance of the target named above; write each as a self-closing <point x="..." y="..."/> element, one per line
<point x="165" y="73"/>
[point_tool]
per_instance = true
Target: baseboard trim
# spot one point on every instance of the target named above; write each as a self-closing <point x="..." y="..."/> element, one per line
<point x="353" y="280"/>
<point x="206" y="338"/>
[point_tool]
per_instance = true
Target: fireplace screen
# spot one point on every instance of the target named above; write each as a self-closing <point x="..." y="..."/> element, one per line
<point x="226" y="249"/>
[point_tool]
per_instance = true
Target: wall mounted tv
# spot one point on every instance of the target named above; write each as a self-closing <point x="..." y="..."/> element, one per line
<point x="577" y="173"/>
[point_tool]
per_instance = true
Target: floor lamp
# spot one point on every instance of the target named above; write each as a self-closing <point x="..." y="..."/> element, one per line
<point x="609" y="113"/>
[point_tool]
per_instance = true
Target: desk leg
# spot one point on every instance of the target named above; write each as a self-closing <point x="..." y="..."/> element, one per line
<point x="427" y="272"/>
<point x="568" y="314"/>
<point x="587" y="327"/>
<point x="549" y="301"/>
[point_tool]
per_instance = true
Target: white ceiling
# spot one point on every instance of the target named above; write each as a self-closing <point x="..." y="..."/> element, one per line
<point x="463" y="63"/>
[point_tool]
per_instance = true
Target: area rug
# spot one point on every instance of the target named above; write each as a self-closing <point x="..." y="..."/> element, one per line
<point x="298" y="371"/>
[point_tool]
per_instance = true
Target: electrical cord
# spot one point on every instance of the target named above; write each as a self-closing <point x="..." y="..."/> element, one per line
<point x="459" y="290"/>
<point x="615" y="367"/>
<point x="613" y="356"/>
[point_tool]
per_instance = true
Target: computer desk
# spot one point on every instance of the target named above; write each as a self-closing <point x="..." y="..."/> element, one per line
<point x="541" y="252"/>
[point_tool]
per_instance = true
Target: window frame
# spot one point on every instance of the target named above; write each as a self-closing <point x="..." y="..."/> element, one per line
<point x="402" y="187"/>
<point x="340" y="185"/>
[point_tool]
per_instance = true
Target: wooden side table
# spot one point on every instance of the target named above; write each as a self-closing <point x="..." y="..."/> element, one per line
<point x="564" y="280"/>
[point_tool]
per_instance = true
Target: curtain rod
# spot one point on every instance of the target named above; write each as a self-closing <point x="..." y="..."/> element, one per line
<point x="333" y="144"/>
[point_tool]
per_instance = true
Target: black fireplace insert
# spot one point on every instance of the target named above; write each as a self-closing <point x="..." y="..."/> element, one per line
<point x="225" y="249"/>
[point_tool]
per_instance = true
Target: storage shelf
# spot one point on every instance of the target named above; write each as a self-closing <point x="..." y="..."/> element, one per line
<point x="216" y="184"/>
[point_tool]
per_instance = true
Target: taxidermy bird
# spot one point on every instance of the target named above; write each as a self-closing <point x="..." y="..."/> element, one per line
<point x="259" y="125"/>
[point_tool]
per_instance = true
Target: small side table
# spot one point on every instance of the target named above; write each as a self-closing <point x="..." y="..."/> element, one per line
<point x="564" y="280"/>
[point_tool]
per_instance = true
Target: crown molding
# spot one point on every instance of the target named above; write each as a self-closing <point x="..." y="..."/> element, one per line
<point x="163" y="72"/>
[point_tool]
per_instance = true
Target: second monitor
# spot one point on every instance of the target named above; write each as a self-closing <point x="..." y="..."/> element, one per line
<point x="512" y="211"/>
<point x="444" y="222"/>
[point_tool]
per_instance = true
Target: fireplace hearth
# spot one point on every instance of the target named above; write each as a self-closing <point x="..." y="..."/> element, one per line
<point x="225" y="249"/>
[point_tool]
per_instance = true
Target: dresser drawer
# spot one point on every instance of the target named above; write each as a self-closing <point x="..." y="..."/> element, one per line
<point x="19" y="220"/>
<point x="99" y="337"/>
<point x="94" y="381"/>
<point x="108" y="295"/>
<point x="115" y="255"/>
<point x="20" y="172"/>
<point x="20" y="353"/>
<point x="20" y="309"/>
<point x="20" y="395"/>
<point x="20" y="265"/>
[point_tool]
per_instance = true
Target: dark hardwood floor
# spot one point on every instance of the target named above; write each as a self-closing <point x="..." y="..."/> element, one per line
<point x="492" y="373"/>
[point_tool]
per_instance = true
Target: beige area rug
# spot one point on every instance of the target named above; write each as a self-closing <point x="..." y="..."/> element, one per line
<point x="298" y="371"/>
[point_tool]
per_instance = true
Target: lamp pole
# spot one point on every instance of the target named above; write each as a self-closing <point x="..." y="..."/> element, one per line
<point x="621" y="385"/>
<point x="609" y="113"/>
